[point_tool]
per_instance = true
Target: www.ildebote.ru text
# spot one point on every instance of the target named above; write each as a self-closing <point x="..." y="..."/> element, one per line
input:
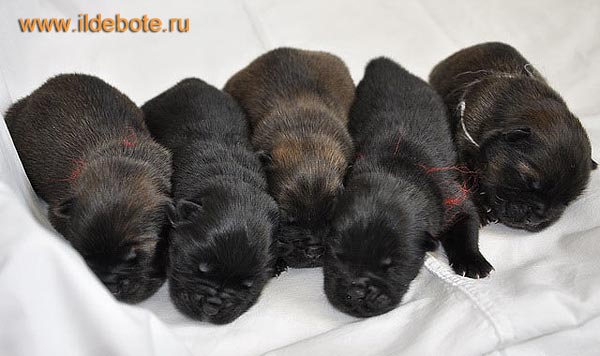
<point x="98" y="23"/>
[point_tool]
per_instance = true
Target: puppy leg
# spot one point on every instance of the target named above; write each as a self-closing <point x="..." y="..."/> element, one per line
<point x="461" y="242"/>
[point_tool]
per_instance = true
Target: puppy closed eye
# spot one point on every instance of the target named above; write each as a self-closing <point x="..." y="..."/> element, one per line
<point x="131" y="255"/>
<point x="204" y="267"/>
<point x="385" y="262"/>
<point x="247" y="283"/>
<point x="533" y="184"/>
<point x="285" y="216"/>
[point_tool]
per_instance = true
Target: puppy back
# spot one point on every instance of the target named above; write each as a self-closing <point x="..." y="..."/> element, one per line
<point x="70" y="112"/>
<point x="285" y="75"/>
<point x="392" y="101"/>
<point x="476" y="61"/>
<point x="71" y="119"/>
<point x="194" y="110"/>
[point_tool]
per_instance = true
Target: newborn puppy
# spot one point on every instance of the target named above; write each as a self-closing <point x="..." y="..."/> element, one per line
<point x="224" y="219"/>
<point x="532" y="155"/>
<point x="402" y="195"/>
<point x="89" y="155"/>
<point x="298" y="103"/>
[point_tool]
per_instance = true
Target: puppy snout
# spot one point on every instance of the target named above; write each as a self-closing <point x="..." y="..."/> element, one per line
<point x="517" y="211"/>
<point x="356" y="292"/>
<point x="367" y="296"/>
<point x="111" y="281"/>
<point x="108" y="278"/>
<point x="380" y="301"/>
<point x="210" y="309"/>
<point x="113" y="288"/>
<point x="360" y="281"/>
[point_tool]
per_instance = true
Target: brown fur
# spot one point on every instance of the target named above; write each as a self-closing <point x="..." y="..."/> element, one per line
<point x="534" y="156"/>
<point x="298" y="102"/>
<point x="88" y="154"/>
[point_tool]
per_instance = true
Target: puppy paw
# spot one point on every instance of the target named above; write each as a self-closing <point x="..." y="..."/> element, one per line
<point x="472" y="265"/>
<point x="279" y="267"/>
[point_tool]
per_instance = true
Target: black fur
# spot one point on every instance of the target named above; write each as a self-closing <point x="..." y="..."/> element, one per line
<point x="534" y="157"/>
<point x="396" y="202"/>
<point x="88" y="154"/>
<point x="224" y="219"/>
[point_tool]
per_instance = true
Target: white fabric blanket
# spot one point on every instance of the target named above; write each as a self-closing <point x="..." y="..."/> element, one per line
<point x="543" y="298"/>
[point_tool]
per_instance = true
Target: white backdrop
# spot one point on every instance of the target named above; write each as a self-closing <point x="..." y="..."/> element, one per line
<point x="543" y="298"/>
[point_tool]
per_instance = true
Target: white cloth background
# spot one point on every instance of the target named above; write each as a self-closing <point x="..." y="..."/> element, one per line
<point x="543" y="298"/>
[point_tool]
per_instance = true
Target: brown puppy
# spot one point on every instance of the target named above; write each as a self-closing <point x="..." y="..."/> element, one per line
<point x="531" y="153"/>
<point x="298" y="103"/>
<point x="88" y="154"/>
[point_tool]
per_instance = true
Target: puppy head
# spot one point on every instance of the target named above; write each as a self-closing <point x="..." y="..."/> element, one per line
<point x="534" y="163"/>
<point x="306" y="212"/>
<point x="118" y="227"/>
<point x="219" y="257"/>
<point x="372" y="255"/>
<point x="305" y="181"/>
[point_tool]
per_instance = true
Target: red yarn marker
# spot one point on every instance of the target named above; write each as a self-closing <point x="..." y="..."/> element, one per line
<point x="75" y="173"/>
<point x="130" y="140"/>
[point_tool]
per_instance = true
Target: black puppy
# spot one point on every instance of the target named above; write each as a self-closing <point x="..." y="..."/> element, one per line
<point x="531" y="153"/>
<point x="89" y="155"/>
<point x="224" y="219"/>
<point x="402" y="194"/>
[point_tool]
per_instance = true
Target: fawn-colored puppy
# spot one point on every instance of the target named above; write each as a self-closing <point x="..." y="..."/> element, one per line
<point x="88" y="154"/>
<point x="298" y="103"/>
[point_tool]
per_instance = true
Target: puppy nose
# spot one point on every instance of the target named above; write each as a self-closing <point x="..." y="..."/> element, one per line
<point x="314" y="252"/>
<point x="360" y="281"/>
<point x="210" y="309"/>
<point x="356" y="292"/>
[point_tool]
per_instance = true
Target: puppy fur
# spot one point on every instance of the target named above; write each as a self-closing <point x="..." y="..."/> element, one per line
<point x="224" y="220"/>
<point x="402" y="195"/>
<point x="532" y="155"/>
<point x="89" y="155"/>
<point x="298" y="103"/>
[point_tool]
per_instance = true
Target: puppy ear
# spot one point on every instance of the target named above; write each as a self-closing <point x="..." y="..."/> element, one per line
<point x="594" y="164"/>
<point x="516" y="134"/>
<point x="64" y="209"/>
<point x="182" y="211"/>
<point x="509" y="130"/>
<point x="265" y="158"/>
